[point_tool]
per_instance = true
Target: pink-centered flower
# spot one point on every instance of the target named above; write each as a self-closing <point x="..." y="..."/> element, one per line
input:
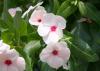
<point x="37" y="16"/>
<point x="52" y="28"/>
<point x="10" y="61"/>
<point x="12" y="11"/>
<point x="55" y="54"/>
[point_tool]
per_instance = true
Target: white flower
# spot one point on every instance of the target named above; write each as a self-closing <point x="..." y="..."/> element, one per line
<point x="12" y="11"/>
<point x="56" y="54"/>
<point x="10" y="61"/>
<point x="37" y="16"/>
<point x="52" y="28"/>
<point x="3" y="46"/>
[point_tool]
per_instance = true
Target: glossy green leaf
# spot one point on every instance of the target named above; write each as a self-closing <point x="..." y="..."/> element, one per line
<point x="63" y="6"/>
<point x="3" y="26"/>
<point x="82" y="8"/>
<point x="1" y="8"/>
<point x="94" y="66"/>
<point x="6" y="16"/>
<point x="33" y="49"/>
<point x="7" y="37"/>
<point x="91" y="34"/>
<point x="66" y="8"/>
<point x="32" y="46"/>
<point x="77" y="65"/>
<point x="90" y="11"/>
<point x="20" y="25"/>
<point x="45" y="67"/>
<point x="81" y="49"/>
<point x="81" y="29"/>
<point x="56" y="5"/>
<point x="68" y="11"/>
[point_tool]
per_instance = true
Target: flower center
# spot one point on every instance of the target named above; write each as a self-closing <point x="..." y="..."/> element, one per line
<point x="39" y="20"/>
<point x="55" y="52"/>
<point x="53" y="28"/>
<point x="8" y="62"/>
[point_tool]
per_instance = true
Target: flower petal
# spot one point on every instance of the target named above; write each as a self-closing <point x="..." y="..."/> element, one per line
<point x="43" y="30"/>
<point x="61" y="22"/>
<point x="12" y="54"/>
<point x="53" y="37"/>
<point x="64" y="51"/>
<point x="4" y="47"/>
<point x="20" y="64"/>
<point x="45" y="54"/>
<point x="12" y="12"/>
<point x="18" y="9"/>
<point x="37" y="15"/>
<point x="3" y="67"/>
<point x="55" y="62"/>
<point x="12" y="68"/>
<point x="49" y="19"/>
<point x="1" y="43"/>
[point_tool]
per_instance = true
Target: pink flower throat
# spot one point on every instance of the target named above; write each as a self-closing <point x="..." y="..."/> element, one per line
<point x="8" y="62"/>
<point x="39" y="20"/>
<point x="55" y="52"/>
<point x="53" y="28"/>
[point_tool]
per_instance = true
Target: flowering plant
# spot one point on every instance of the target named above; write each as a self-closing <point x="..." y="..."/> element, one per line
<point x="49" y="35"/>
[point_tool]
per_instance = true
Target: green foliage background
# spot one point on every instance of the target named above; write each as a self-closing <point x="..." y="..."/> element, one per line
<point x="82" y="37"/>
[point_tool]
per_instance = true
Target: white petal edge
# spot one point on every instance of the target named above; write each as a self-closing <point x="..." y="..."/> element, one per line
<point x="43" y="30"/>
<point x="64" y="51"/>
<point x="61" y="22"/>
<point x="55" y="62"/>
<point x="21" y="63"/>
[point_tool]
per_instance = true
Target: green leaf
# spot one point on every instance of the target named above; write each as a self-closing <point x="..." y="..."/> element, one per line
<point x="45" y="67"/>
<point x="1" y="6"/>
<point x="77" y="64"/>
<point x="91" y="34"/>
<point x="80" y="29"/>
<point x="55" y="5"/>
<point x="63" y="6"/>
<point x="33" y="48"/>
<point x="90" y="11"/>
<point x="82" y="8"/>
<point x="20" y="25"/>
<point x="66" y="9"/>
<point x="81" y="49"/>
<point x="94" y="66"/>
<point x="7" y="37"/>
<point x="3" y="26"/>
<point x="6" y="16"/>
<point x="95" y="32"/>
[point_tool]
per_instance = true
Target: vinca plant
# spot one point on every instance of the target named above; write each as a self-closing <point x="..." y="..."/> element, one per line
<point x="49" y="35"/>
